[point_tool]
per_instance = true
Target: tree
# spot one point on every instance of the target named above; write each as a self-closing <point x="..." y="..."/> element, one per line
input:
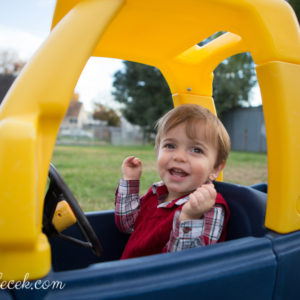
<point x="233" y="80"/>
<point x="10" y="63"/>
<point x="106" y="114"/>
<point x="296" y="6"/>
<point x="145" y="93"/>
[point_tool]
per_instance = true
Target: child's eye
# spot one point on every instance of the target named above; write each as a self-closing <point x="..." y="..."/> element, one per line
<point x="197" y="150"/>
<point x="169" y="146"/>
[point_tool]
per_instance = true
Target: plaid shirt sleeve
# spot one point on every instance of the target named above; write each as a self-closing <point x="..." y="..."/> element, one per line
<point x="196" y="233"/>
<point x="127" y="204"/>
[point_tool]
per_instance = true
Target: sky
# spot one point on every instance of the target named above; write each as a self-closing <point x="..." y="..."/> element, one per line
<point x="25" y="24"/>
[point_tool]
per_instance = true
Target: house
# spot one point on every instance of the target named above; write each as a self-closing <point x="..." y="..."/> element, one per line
<point x="76" y="116"/>
<point x="78" y="123"/>
<point x="75" y="120"/>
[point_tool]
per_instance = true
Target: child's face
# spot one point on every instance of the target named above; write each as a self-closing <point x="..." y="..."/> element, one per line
<point x="184" y="164"/>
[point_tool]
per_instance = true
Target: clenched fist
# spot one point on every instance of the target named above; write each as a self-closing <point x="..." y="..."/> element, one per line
<point x="200" y="202"/>
<point x="132" y="168"/>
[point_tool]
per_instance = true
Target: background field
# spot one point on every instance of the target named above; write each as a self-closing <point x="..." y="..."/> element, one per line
<point x="92" y="173"/>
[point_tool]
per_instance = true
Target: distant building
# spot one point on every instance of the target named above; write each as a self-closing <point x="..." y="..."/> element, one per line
<point x="78" y="123"/>
<point x="6" y="80"/>
<point x="75" y="120"/>
<point x="76" y="116"/>
<point x="246" y="127"/>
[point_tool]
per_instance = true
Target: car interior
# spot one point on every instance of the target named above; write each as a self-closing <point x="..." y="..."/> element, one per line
<point x="247" y="207"/>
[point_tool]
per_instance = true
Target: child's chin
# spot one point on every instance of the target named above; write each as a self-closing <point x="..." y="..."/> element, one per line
<point x="181" y="192"/>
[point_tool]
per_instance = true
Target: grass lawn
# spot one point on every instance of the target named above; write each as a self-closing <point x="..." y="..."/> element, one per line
<point x="92" y="173"/>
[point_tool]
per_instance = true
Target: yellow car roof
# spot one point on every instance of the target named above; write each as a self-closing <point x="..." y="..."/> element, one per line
<point x="165" y="34"/>
<point x="152" y="31"/>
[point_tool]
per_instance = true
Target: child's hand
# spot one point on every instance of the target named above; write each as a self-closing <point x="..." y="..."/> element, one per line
<point x="201" y="201"/>
<point x="132" y="168"/>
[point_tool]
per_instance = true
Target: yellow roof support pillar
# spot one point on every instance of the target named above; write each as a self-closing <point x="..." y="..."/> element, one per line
<point x="29" y="120"/>
<point x="280" y="90"/>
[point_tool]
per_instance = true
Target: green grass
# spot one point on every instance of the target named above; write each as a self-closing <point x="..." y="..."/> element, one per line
<point x="241" y="158"/>
<point x="92" y="173"/>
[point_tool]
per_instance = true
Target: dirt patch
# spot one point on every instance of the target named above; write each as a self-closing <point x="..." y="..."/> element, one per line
<point x="246" y="175"/>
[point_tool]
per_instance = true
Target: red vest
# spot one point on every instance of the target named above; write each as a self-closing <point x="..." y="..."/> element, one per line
<point x="153" y="226"/>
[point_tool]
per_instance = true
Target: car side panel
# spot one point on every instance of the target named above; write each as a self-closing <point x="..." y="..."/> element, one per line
<point x="6" y="295"/>
<point x="287" y="250"/>
<point x="239" y="269"/>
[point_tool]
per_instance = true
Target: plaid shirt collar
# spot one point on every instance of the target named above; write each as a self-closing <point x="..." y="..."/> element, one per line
<point x="160" y="189"/>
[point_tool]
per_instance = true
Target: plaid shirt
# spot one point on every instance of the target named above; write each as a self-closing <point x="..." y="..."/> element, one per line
<point x="184" y="234"/>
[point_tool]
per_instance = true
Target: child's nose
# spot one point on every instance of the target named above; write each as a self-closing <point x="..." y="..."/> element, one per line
<point x="180" y="155"/>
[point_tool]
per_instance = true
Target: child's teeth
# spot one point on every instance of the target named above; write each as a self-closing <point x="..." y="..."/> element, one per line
<point x="177" y="172"/>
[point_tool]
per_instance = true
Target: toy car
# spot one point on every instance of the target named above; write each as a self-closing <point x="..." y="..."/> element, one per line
<point x="261" y="257"/>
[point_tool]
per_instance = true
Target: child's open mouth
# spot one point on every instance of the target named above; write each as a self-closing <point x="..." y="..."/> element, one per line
<point x="178" y="172"/>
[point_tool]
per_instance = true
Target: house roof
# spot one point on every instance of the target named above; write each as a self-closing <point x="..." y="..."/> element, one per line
<point x="74" y="109"/>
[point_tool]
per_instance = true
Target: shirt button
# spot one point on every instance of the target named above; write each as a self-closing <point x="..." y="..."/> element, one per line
<point x="186" y="229"/>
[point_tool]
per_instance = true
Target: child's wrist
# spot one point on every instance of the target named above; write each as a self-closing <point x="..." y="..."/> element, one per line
<point x="131" y="178"/>
<point x="185" y="217"/>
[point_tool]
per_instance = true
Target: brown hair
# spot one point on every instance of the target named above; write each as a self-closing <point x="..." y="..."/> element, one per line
<point x="192" y="115"/>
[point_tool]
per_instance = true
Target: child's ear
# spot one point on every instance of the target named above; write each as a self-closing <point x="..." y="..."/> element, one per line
<point x="217" y="170"/>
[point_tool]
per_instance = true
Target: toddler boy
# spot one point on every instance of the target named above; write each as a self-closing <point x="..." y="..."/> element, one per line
<point x="183" y="210"/>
